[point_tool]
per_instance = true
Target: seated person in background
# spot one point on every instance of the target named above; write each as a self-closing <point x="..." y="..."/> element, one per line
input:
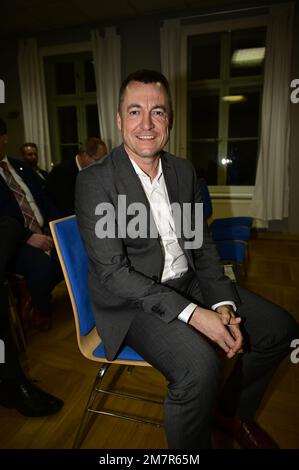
<point x="61" y="181"/>
<point x="29" y="152"/>
<point x="16" y="391"/>
<point x="22" y="197"/>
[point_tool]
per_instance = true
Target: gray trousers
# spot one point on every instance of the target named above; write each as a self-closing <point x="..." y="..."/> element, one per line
<point x="193" y="365"/>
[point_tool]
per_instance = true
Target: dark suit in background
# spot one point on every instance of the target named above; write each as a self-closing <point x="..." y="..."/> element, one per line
<point x="62" y="180"/>
<point x="41" y="271"/>
<point x="60" y="186"/>
<point x="42" y="176"/>
<point x="15" y="389"/>
<point x="11" y="237"/>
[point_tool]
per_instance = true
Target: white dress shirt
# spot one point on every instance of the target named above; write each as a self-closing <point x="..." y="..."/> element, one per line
<point x="78" y="162"/>
<point x="26" y="190"/>
<point x="175" y="261"/>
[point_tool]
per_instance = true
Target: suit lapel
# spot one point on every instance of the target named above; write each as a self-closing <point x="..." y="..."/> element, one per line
<point x="173" y="189"/>
<point x="171" y="179"/>
<point x="20" y="170"/>
<point x="172" y="185"/>
<point x="129" y="184"/>
<point x="29" y="178"/>
<point x="128" y="180"/>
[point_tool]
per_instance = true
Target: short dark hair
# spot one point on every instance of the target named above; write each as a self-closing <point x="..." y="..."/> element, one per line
<point x="28" y="144"/>
<point x="3" y="127"/>
<point x="146" y="76"/>
<point x="91" y="145"/>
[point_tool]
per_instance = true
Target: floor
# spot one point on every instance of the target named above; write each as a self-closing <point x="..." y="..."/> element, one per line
<point x="54" y="361"/>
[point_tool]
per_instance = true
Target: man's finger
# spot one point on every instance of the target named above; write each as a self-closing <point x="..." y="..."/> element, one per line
<point x="225" y="317"/>
<point x="234" y="321"/>
<point x="235" y="331"/>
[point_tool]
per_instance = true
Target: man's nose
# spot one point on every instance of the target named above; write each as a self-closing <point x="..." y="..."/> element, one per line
<point x="147" y="122"/>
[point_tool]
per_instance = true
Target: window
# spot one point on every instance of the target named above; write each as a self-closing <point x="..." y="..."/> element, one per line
<point x="72" y="107"/>
<point x="224" y="91"/>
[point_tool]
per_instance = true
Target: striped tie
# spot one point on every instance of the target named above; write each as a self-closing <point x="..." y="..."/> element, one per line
<point x="28" y="214"/>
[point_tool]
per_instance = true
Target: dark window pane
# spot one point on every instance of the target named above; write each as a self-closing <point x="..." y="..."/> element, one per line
<point x="204" y="116"/>
<point x="244" y="116"/>
<point x="204" y="56"/>
<point x="67" y="122"/>
<point x="65" y="78"/>
<point x="68" y="152"/>
<point x="89" y="77"/>
<point x="92" y="121"/>
<point x="246" y="39"/>
<point x="242" y="169"/>
<point x="204" y="158"/>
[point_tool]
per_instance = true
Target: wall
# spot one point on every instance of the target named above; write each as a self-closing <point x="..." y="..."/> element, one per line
<point x="140" y="45"/>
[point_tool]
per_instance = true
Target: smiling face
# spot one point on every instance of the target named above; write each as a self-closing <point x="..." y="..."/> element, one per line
<point x="144" y="119"/>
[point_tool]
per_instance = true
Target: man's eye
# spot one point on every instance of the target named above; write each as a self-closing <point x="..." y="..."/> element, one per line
<point x="159" y="113"/>
<point x="134" y="112"/>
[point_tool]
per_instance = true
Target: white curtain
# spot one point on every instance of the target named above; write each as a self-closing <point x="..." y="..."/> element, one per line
<point x="271" y="193"/>
<point x="170" y="38"/>
<point x="106" y="57"/>
<point x="33" y="97"/>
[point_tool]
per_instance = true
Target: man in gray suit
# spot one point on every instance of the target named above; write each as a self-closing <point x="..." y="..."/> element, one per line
<point x="167" y="298"/>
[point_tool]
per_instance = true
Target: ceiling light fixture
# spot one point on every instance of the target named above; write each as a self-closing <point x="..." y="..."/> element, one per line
<point x="248" y="57"/>
<point x="234" y="98"/>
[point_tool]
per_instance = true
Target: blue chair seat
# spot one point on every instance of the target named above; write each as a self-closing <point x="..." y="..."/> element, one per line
<point x="126" y="354"/>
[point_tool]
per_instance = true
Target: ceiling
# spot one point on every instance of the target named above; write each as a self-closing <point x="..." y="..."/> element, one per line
<point x="26" y="17"/>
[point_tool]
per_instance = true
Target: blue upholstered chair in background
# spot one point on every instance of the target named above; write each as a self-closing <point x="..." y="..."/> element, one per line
<point x="74" y="262"/>
<point x="230" y="234"/>
<point x="227" y="228"/>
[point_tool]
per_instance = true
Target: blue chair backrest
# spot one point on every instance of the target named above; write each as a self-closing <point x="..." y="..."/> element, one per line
<point x="76" y="264"/>
<point x="230" y="232"/>
<point x="231" y="251"/>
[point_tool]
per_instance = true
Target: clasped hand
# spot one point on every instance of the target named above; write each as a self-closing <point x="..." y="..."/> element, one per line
<point x="221" y="327"/>
<point x="43" y="242"/>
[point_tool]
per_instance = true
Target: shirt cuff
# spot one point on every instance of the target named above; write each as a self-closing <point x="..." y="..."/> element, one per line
<point x="187" y="312"/>
<point x="225" y="302"/>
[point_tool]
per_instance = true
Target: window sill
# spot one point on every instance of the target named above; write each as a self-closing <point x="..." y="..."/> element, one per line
<point x="231" y="192"/>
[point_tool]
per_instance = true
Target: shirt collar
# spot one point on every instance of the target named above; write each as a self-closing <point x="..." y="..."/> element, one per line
<point x="140" y="172"/>
<point x="78" y="163"/>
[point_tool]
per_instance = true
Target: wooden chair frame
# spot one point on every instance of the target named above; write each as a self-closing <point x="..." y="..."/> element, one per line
<point x="87" y="345"/>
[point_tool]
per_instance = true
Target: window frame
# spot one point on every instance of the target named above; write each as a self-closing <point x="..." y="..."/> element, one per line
<point x="54" y="54"/>
<point x="187" y="30"/>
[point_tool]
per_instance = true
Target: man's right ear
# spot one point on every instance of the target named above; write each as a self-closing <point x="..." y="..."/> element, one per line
<point x="118" y="120"/>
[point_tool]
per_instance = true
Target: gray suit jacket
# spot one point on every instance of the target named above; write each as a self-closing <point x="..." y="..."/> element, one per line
<point x="125" y="273"/>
